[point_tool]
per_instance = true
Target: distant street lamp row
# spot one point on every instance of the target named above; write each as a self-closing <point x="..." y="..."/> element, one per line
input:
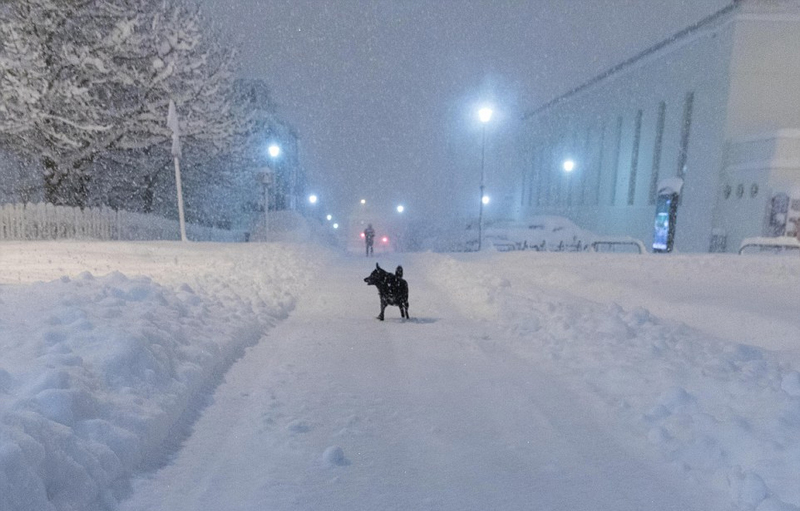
<point x="484" y="115"/>
<point x="400" y="208"/>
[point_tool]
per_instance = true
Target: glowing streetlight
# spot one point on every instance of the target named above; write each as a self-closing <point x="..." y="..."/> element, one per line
<point x="363" y="201"/>
<point x="400" y="208"/>
<point x="485" y="115"/>
<point x="485" y="199"/>
<point x="313" y="199"/>
<point x="329" y="217"/>
<point x="568" y="165"/>
<point x="335" y="226"/>
<point x="268" y="178"/>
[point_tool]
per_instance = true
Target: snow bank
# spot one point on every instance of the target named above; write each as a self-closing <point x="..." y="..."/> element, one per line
<point x="100" y="375"/>
<point x="722" y="412"/>
<point x="541" y="233"/>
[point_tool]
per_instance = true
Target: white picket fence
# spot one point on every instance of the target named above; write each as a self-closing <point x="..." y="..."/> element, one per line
<point x="48" y="222"/>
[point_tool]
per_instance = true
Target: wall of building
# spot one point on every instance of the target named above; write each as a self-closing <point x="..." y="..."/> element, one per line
<point x="756" y="168"/>
<point x="611" y="129"/>
<point x="765" y="69"/>
<point x="763" y="153"/>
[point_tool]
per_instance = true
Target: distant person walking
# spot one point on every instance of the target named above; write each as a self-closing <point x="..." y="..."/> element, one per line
<point x="369" y="238"/>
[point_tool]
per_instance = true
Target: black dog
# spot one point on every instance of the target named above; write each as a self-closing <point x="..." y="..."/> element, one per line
<point x="392" y="289"/>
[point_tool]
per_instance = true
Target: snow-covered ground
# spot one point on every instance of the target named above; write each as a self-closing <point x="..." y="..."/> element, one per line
<point x="207" y="376"/>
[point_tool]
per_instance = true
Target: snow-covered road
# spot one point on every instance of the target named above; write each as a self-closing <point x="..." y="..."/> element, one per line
<point x="257" y="377"/>
<point x="335" y="410"/>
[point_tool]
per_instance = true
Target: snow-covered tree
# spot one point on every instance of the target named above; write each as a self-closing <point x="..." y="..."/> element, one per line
<point x="80" y="79"/>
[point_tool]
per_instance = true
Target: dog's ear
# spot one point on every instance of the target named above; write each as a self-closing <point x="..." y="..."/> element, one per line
<point x="378" y="266"/>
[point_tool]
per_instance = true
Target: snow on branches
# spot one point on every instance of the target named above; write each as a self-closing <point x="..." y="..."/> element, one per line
<point x="82" y="78"/>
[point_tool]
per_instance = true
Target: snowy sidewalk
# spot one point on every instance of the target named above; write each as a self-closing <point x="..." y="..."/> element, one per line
<point x="336" y="410"/>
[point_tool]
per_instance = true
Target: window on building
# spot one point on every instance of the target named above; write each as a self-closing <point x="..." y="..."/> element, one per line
<point x="541" y="188"/>
<point x="533" y="175"/>
<point x="547" y="172"/>
<point x="637" y="137"/>
<point x="615" y="163"/>
<point x="536" y="184"/>
<point x="523" y="188"/>
<point x="558" y="178"/>
<point x="600" y="156"/>
<point x="686" y="126"/>
<point x="583" y="169"/>
<point x="567" y="177"/>
<point x="662" y="113"/>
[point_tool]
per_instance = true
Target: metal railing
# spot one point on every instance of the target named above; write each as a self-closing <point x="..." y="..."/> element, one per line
<point x="775" y="245"/>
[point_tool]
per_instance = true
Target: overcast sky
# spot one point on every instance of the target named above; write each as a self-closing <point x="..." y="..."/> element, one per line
<point x="384" y="93"/>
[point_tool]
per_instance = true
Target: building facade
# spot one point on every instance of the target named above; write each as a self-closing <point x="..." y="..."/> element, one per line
<point x="276" y="183"/>
<point x="711" y="114"/>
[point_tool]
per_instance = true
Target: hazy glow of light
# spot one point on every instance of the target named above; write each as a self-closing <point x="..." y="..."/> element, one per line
<point x="485" y="114"/>
<point x="329" y="217"/>
<point x="569" y="165"/>
<point x="313" y="199"/>
<point x="363" y="235"/>
<point x="363" y="201"/>
<point x="274" y="150"/>
<point x="385" y="239"/>
<point x="335" y="226"/>
<point x="485" y="199"/>
<point x="400" y="208"/>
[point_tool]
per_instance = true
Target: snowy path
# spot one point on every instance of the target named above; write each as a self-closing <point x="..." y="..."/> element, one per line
<point x="430" y="414"/>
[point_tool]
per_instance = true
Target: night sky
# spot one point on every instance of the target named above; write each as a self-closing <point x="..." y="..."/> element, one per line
<point x="384" y="94"/>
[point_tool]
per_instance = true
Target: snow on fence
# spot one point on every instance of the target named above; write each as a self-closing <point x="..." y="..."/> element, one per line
<point x="777" y="245"/>
<point x="48" y="222"/>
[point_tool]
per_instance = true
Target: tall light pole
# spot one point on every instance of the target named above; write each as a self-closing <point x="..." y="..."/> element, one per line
<point x="274" y="151"/>
<point x="485" y="115"/>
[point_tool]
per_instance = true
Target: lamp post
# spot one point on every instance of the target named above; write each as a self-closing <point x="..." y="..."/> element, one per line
<point x="274" y="150"/>
<point x="485" y="115"/>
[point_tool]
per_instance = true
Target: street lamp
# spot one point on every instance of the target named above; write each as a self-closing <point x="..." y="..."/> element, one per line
<point x="313" y="199"/>
<point x="329" y="218"/>
<point x="568" y="165"/>
<point x="400" y="208"/>
<point x="485" y="199"/>
<point x="485" y="115"/>
<point x="268" y="178"/>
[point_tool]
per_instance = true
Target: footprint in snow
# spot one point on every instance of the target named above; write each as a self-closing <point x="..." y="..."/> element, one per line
<point x="299" y="426"/>
<point x="334" y="456"/>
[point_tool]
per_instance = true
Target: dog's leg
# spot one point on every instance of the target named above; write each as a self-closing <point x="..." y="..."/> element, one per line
<point x="383" y="307"/>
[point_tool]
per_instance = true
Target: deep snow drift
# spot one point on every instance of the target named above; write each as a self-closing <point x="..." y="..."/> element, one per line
<point x="99" y="370"/>
<point x="683" y="362"/>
